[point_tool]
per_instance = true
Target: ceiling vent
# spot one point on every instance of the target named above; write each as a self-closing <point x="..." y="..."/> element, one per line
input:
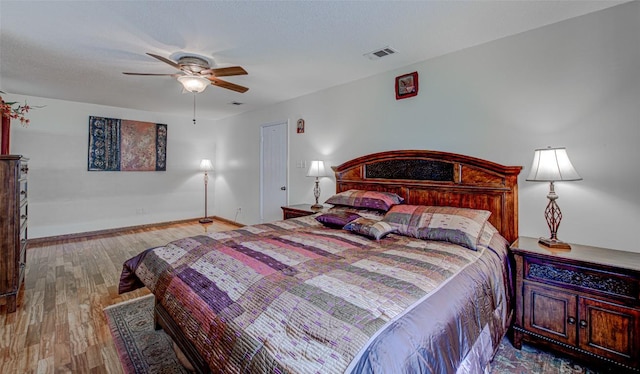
<point x="379" y="53"/>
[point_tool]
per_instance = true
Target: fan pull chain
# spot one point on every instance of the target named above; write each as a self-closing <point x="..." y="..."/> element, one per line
<point x="194" y="108"/>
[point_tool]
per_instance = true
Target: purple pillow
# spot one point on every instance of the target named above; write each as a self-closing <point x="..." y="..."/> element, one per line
<point x="366" y="199"/>
<point x="336" y="220"/>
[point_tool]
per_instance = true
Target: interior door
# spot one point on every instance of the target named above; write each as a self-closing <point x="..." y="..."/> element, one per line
<point x="273" y="171"/>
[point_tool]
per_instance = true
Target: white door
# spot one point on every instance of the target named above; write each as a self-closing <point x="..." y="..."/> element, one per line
<point x="273" y="171"/>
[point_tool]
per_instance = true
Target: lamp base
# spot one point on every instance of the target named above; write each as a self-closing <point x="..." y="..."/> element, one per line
<point x="555" y="244"/>
<point x="317" y="206"/>
<point x="205" y="220"/>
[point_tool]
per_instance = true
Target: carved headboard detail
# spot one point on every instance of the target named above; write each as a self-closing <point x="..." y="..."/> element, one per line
<point x="439" y="178"/>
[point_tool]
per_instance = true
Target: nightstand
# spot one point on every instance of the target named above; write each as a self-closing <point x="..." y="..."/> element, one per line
<point x="584" y="302"/>
<point x="300" y="210"/>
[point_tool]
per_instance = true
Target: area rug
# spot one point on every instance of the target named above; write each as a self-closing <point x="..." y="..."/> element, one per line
<point x="144" y="350"/>
<point x="141" y="349"/>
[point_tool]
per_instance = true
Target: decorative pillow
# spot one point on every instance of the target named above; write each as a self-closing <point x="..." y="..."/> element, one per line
<point x="370" y="228"/>
<point x="376" y="215"/>
<point x="336" y="219"/>
<point x="366" y="199"/>
<point x="455" y="225"/>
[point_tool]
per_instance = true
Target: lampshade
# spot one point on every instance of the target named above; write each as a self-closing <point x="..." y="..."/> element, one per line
<point x="552" y="164"/>
<point x="194" y="83"/>
<point x="205" y="165"/>
<point x="316" y="169"/>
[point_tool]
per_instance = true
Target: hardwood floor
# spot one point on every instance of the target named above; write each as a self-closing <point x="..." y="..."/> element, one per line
<point x="59" y="326"/>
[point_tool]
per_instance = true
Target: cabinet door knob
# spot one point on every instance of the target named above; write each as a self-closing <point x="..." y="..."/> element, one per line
<point x="583" y="324"/>
<point x="571" y="321"/>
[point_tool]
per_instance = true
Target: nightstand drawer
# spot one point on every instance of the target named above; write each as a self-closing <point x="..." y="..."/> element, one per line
<point x="587" y="279"/>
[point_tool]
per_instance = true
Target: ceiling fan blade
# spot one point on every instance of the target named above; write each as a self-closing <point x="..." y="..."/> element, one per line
<point x="228" y="85"/>
<point x="225" y="72"/>
<point x="153" y="74"/>
<point x="165" y="60"/>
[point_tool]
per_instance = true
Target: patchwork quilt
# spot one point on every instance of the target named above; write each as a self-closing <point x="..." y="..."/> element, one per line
<point x="297" y="297"/>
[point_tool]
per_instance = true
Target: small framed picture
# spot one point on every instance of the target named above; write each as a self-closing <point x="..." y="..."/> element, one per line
<point x="407" y="85"/>
<point x="300" y="126"/>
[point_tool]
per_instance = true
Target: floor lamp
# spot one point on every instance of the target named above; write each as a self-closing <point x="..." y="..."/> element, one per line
<point x="551" y="165"/>
<point x="206" y="166"/>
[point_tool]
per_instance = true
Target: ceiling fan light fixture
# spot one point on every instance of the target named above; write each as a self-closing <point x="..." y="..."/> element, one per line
<point x="194" y="83"/>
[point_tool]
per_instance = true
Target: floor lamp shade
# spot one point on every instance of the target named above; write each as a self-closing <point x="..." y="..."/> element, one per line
<point x="316" y="169"/>
<point x="206" y="166"/>
<point x="552" y="165"/>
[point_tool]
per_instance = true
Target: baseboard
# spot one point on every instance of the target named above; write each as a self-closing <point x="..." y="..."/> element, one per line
<point x="230" y="222"/>
<point x="47" y="240"/>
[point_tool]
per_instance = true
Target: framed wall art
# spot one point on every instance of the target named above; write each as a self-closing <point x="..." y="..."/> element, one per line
<point x="126" y="145"/>
<point x="407" y="85"/>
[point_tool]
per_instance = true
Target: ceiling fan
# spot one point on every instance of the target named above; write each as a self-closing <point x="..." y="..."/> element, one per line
<point x="196" y="73"/>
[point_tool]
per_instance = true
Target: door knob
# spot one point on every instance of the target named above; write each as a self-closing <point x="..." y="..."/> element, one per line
<point x="283" y="188"/>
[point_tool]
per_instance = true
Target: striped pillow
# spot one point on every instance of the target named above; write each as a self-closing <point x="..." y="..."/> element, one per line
<point x="366" y="199"/>
<point x="370" y="228"/>
<point x="455" y="225"/>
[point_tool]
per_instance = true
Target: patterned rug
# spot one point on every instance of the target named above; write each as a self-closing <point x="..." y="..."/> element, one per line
<point x="144" y="350"/>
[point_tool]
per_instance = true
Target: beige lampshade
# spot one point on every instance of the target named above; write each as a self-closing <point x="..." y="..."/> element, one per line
<point x="552" y="164"/>
<point x="206" y="165"/>
<point x="316" y="169"/>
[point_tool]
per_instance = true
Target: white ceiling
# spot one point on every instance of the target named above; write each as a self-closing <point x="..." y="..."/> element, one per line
<point x="77" y="50"/>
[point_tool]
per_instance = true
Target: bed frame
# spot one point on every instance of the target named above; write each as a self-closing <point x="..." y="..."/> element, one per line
<point x="420" y="177"/>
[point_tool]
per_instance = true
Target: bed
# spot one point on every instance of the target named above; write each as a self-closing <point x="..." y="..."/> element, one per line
<point x="420" y="281"/>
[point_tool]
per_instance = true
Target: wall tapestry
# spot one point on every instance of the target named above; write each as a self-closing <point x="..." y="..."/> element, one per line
<point x="125" y="145"/>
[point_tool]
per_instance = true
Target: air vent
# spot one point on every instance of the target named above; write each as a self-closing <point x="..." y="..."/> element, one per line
<point x="379" y="53"/>
<point x="236" y="103"/>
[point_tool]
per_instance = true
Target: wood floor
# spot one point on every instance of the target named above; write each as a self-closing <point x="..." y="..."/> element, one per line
<point x="59" y="326"/>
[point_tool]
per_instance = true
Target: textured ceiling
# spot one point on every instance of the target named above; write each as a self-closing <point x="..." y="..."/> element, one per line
<point x="77" y="50"/>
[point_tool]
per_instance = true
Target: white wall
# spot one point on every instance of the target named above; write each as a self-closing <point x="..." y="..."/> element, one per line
<point x="574" y="84"/>
<point x="66" y="198"/>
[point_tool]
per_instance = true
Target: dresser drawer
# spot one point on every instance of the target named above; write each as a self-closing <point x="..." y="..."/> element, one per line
<point x="23" y="170"/>
<point x="23" y="191"/>
<point x="582" y="278"/>
<point x="23" y="213"/>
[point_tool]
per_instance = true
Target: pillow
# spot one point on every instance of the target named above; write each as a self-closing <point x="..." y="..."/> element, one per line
<point x="455" y="225"/>
<point x="376" y="215"/>
<point x="370" y="228"/>
<point x="366" y="199"/>
<point x="337" y="219"/>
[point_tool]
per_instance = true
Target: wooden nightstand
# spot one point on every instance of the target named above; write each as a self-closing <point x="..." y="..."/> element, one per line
<point x="300" y="210"/>
<point x="584" y="302"/>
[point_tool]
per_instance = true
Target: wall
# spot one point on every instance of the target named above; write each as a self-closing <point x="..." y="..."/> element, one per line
<point x="573" y="84"/>
<point x="66" y="198"/>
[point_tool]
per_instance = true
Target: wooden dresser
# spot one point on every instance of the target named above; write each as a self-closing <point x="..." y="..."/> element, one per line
<point x="13" y="226"/>
<point x="584" y="302"/>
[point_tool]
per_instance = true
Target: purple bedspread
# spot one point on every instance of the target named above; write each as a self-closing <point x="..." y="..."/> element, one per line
<point x="294" y="296"/>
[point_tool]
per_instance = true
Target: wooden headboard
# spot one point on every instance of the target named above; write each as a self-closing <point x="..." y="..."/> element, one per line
<point x="439" y="178"/>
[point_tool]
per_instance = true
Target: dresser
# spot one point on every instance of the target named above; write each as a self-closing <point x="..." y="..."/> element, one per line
<point x="13" y="226"/>
<point x="584" y="302"/>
